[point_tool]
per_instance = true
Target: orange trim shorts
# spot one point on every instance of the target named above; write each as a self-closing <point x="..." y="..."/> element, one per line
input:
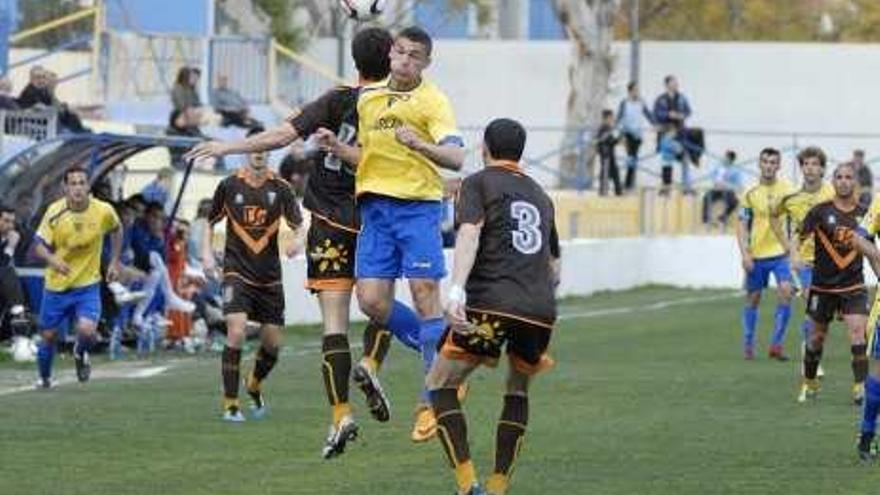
<point x="330" y="256"/>
<point x="526" y="341"/>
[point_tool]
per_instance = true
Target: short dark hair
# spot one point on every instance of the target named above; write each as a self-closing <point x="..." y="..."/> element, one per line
<point x="607" y="113"/>
<point x="631" y="85"/>
<point x="851" y="165"/>
<point x="254" y="130"/>
<point x="136" y="198"/>
<point x="769" y="152"/>
<point x="505" y="139"/>
<point x="7" y="209"/>
<point x="418" y="35"/>
<point x="730" y="155"/>
<point x="153" y="207"/>
<point x="668" y="78"/>
<point x="812" y="152"/>
<point x="75" y="169"/>
<point x="369" y="49"/>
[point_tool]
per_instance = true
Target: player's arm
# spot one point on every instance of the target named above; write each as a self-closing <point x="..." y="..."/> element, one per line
<point x="448" y="154"/>
<point x="467" y="242"/>
<point x="45" y="238"/>
<point x="742" y="237"/>
<point x="555" y="257"/>
<point x="328" y="141"/>
<point x="218" y="211"/>
<point x="868" y="250"/>
<point x="272" y="139"/>
<point x="293" y="216"/>
<point x="114" y="267"/>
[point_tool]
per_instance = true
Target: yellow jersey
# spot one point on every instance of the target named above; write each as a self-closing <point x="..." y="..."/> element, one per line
<point x="758" y="203"/>
<point x="796" y="206"/>
<point x="389" y="168"/>
<point x="77" y="237"/>
<point x="871" y="221"/>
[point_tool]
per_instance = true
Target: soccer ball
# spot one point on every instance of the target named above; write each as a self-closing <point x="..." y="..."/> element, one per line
<point x="362" y="10"/>
<point x="23" y="350"/>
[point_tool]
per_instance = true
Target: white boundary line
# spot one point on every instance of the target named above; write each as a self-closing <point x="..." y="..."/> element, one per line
<point x="314" y="347"/>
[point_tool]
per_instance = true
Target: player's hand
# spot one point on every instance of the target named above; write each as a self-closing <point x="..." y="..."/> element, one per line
<point x="12" y="238"/>
<point x="748" y="263"/>
<point x="113" y="271"/>
<point x="59" y="265"/>
<point x="292" y="250"/>
<point x="407" y="137"/>
<point x="326" y="139"/>
<point x="208" y="149"/>
<point x="457" y="317"/>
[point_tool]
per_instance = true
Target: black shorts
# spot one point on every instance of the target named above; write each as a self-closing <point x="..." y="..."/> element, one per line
<point x="261" y="304"/>
<point x="330" y="251"/>
<point x="526" y="341"/>
<point x="825" y="306"/>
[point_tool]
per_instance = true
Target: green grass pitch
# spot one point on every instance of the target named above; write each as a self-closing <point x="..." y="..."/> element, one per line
<point x="645" y="398"/>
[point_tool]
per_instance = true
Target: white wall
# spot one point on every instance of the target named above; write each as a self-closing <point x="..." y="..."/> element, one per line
<point x="779" y="87"/>
<point x="588" y="266"/>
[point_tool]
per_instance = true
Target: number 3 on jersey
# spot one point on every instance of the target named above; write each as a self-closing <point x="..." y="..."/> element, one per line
<point x="527" y="236"/>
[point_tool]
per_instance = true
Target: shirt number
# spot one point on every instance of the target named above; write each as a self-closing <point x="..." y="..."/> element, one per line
<point x="527" y="236"/>
<point x="347" y="134"/>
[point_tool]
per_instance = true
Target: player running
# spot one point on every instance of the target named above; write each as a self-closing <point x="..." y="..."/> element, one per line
<point x="838" y="285"/>
<point x="407" y="130"/>
<point x="795" y="207"/>
<point x="332" y="236"/>
<point x="502" y="294"/>
<point x="763" y="254"/>
<point x="253" y="201"/>
<point x="71" y="239"/>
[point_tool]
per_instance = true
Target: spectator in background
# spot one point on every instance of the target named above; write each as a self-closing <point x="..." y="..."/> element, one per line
<point x="726" y="182"/>
<point x="159" y="190"/>
<point x="447" y="223"/>
<point x="631" y="114"/>
<point x="606" y="142"/>
<point x="7" y="101"/>
<point x="864" y="177"/>
<point x="36" y="91"/>
<point x="181" y="322"/>
<point x="67" y="118"/>
<point x="185" y="93"/>
<point x="184" y="123"/>
<point x="12" y="302"/>
<point x="232" y="106"/>
<point x="196" y="232"/>
<point x="671" y="111"/>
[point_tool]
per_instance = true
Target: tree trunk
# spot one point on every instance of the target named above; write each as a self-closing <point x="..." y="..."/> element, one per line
<point x="589" y="24"/>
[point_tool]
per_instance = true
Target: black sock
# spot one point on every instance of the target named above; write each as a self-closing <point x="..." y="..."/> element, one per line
<point x="451" y="425"/>
<point x="266" y="359"/>
<point x="229" y="369"/>
<point x="812" y="358"/>
<point x="377" y="340"/>
<point x="336" y="367"/>
<point x="859" y="362"/>
<point x="511" y="428"/>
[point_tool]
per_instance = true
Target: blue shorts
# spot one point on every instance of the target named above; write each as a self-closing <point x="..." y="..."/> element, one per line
<point x="759" y="277"/>
<point x="805" y="277"/>
<point x="400" y="238"/>
<point x="78" y="303"/>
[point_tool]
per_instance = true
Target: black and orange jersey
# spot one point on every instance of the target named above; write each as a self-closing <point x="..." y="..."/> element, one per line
<point x="518" y="240"/>
<point x="838" y="265"/>
<point x="253" y="208"/>
<point x="330" y="189"/>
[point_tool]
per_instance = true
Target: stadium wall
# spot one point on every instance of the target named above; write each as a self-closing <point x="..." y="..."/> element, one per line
<point x="588" y="266"/>
<point x="754" y="89"/>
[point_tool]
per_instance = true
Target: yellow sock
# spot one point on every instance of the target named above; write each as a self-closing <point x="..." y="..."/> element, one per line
<point x="497" y="484"/>
<point x="465" y="476"/>
<point x="340" y="411"/>
<point x="253" y="384"/>
<point x="371" y="363"/>
<point x="230" y="403"/>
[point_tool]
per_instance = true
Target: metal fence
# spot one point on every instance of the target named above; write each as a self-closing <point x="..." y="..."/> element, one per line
<point x="245" y="62"/>
<point x="37" y="125"/>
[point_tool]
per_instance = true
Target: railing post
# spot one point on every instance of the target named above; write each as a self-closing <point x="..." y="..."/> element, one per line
<point x="272" y="71"/>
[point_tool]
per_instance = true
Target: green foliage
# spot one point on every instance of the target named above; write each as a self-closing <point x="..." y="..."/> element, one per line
<point x="755" y="20"/>
<point x="648" y="400"/>
<point x="282" y="25"/>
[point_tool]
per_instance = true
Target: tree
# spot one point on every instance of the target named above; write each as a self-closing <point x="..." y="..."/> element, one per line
<point x="589" y="25"/>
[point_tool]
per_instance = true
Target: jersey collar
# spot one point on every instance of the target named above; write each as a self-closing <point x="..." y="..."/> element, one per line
<point x="244" y="173"/>
<point x="508" y="165"/>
